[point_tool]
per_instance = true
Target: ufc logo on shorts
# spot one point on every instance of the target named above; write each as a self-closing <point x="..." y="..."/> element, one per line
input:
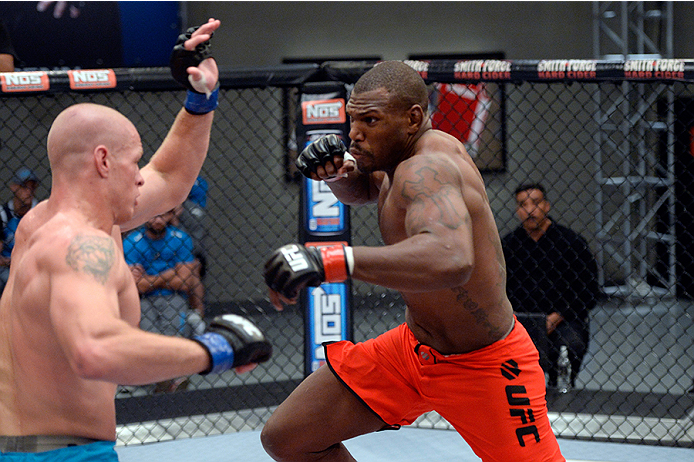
<point x="294" y="257"/>
<point x="519" y="404"/>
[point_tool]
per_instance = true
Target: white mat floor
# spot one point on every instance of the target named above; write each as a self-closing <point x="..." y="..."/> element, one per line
<point x="404" y="445"/>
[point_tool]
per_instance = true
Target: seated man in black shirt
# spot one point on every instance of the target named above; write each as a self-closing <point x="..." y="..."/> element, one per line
<point x="551" y="270"/>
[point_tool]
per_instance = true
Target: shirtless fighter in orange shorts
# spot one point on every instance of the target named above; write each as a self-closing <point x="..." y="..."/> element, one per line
<point x="461" y="352"/>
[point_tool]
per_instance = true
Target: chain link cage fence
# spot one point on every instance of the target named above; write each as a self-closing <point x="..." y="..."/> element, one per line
<point x="613" y="148"/>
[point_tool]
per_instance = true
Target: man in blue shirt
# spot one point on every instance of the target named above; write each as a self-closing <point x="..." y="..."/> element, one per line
<point x="167" y="276"/>
<point x="23" y="187"/>
<point x="161" y="259"/>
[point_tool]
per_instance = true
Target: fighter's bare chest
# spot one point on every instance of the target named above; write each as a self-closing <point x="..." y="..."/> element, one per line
<point x="391" y="217"/>
<point x="129" y="298"/>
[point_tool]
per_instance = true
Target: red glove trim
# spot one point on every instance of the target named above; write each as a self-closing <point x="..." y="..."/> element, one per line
<point x="334" y="263"/>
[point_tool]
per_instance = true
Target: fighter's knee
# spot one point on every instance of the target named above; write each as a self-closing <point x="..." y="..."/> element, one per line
<point x="285" y="443"/>
<point x="274" y="443"/>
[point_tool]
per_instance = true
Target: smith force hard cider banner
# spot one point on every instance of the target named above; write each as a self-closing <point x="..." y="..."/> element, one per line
<point x="450" y="71"/>
<point x="495" y="70"/>
<point x="323" y="221"/>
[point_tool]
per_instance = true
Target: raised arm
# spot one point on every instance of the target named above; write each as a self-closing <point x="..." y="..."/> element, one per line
<point x="327" y="159"/>
<point x="172" y="170"/>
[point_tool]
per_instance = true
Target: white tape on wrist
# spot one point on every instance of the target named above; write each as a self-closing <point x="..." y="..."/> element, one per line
<point x="349" y="258"/>
<point x="200" y="85"/>
<point x="347" y="157"/>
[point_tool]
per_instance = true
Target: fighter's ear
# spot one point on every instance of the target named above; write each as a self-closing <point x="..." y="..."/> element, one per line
<point x="102" y="160"/>
<point x="416" y="118"/>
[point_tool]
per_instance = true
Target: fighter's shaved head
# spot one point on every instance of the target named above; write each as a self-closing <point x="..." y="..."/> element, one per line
<point x="80" y="128"/>
<point x="403" y="84"/>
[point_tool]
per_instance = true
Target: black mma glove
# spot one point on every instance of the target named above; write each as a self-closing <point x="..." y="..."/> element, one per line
<point x="181" y="59"/>
<point x="294" y="266"/>
<point x="319" y="153"/>
<point x="233" y="341"/>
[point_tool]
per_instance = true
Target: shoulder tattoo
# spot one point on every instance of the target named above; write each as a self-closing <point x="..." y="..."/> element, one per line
<point x="426" y="189"/>
<point x="91" y="254"/>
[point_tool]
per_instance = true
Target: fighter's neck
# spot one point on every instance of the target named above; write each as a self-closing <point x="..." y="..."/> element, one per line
<point x="83" y="209"/>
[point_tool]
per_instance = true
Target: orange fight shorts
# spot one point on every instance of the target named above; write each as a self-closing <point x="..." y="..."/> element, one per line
<point x="494" y="397"/>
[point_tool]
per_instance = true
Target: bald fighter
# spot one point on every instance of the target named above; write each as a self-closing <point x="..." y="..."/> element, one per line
<point x="70" y="312"/>
<point x="461" y="351"/>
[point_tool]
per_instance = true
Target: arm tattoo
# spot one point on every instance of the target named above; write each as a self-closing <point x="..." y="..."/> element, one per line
<point x="92" y="255"/>
<point x="429" y="191"/>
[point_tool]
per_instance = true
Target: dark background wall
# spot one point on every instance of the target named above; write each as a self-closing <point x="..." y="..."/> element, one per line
<point x="263" y="33"/>
<point x="125" y="34"/>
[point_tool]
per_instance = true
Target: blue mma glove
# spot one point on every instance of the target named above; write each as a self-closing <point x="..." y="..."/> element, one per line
<point x="233" y="341"/>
